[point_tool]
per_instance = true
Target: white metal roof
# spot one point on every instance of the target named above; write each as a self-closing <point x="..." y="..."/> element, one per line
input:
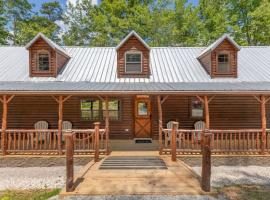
<point x="172" y="68"/>
<point x="49" y="42"/>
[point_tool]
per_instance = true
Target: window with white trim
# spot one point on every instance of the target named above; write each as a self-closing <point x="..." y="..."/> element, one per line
<point x="223" y="63"/>
<point x="133" y="62"/>
<point x="43" y="62"/>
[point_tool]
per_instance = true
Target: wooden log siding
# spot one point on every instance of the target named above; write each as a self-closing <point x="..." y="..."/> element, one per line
<point x="133" y="44"/>
<point x="226" y="112"/>
<point x="25" y="111"/>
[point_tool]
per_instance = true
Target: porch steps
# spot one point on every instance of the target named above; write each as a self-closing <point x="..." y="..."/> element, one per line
<point x="132" y="162"/>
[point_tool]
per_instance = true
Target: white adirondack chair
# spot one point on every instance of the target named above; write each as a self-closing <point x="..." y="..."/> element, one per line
<point x="199" y="125"/>
<point x="41" y="125"/>
<point x="169" y="126"/>
<point x="66" y="125"/>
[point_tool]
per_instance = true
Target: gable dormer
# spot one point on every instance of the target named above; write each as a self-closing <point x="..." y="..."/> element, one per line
<point x="220" y="58"/>
<point x="133" y="57"/>
<point x="46" y="58"/>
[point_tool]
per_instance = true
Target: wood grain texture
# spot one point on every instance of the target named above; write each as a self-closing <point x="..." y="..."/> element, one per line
<point x="57" y="60"/>
<point x="226" y="112"/>
<point x="133" y="44"/>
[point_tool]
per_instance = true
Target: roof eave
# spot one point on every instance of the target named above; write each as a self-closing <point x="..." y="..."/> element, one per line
<point x="132" y="33"/>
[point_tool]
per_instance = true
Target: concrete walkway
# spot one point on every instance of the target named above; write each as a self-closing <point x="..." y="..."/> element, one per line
<point x="178" y="179"/>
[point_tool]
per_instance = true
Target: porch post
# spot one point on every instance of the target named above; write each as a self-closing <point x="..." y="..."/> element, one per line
<point x="206" y="110"/>
<point x="60" y="123"/>
<point x="5" y="100"/>
<point x="159" y="125"/>
<point x="173" y="140"/>
<point x="263" y="124"/>
<point x="96" y="158"/>
<point x="107" y="124"/>
<point x="4" y="126"/>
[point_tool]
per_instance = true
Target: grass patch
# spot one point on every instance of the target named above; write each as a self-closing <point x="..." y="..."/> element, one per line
<point x="28" y="194"/>
<point x="245" y="192"/>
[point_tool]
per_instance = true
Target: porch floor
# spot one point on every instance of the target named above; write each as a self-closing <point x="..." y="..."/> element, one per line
<point x="130" y="145"/>
<point x="177" y="179"/>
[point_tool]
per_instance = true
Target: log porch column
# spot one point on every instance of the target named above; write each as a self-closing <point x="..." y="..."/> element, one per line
<point x="206" y="110"/>
<point x="5" y="100"/>
<point x="263" y="123"/>
<point x="159" y="125"/>
<point x="60" y="123"/>
<point x="107" y="124"/>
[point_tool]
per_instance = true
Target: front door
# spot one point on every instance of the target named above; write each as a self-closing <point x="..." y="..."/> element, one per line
<point x="142" y="117"/>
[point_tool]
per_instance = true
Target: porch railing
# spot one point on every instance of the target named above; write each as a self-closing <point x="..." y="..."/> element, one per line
<point x="222" y="142"/>
<point x="29" y="141"/>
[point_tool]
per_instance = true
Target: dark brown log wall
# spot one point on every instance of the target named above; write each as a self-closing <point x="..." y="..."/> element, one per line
<point x="133" y="44"/>
<point x="57" y="60"/>
<point x="41" y="45"/>
<point x="226" y="112"/>
<point x="227" y="47"/>
<point x="23" y="112"/>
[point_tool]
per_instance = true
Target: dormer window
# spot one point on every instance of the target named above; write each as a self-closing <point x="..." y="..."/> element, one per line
<point x="133" y="62"/>
<point x="223" y="66"/>
<point x="133" y="57"/>
<point x="43" y="62"/>
<point x="220" y="58"/>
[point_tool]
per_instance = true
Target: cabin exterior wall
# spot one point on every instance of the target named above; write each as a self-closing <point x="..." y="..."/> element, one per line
<point x="226" y="112"/>
<point x="133" y="44"/>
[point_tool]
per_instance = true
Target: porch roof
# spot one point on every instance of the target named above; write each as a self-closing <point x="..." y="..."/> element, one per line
<point x="172" y="69"/>
<point x="118" y="88"/>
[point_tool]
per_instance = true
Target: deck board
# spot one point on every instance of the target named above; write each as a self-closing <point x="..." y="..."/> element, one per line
<point x="177" y="179"/>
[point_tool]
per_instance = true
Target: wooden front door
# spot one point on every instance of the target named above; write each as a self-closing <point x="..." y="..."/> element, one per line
<point x="142" y="117"/>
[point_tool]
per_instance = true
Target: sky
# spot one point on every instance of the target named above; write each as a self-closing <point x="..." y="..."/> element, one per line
<point x="63" y="2"/>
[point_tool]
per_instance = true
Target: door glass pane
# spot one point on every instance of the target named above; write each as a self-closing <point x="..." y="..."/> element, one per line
<point x="142" y="108"/>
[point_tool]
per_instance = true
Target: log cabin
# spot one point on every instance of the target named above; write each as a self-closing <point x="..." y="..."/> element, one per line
<point x="135" y="92"/>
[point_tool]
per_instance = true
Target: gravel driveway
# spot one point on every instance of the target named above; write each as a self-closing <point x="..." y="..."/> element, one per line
<point x="54" y="177"/>
<point x="228" y="175"/>
<point x="32" y="177"/>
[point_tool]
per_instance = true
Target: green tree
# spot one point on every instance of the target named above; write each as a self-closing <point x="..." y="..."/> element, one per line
<point x="16" y="11"/>
<point x="240" y="19"/>
<point x="3" y="31"/>
<point x="106" y="24"/>
<point x="260" y="24"/>
<point x="214" y="20"/>
<point x="52" y="10"/>
<point x="28" y="29"/>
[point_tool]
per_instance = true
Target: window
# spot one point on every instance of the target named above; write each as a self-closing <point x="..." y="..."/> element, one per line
<point x="95" y="110"/>
<point x="133" y="62"/>
<point x="90" y="109"/>
<point x="43" y="62"/>
<point x="223" y="64"/>
<point x="142" y="109"/>
<point x="196" y="108"/>
<point x="114" y="109"/>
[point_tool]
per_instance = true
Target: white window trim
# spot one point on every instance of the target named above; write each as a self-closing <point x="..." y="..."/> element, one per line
<point x="229" y="61"/>
<point x="37" y="61"/>
<point x="133" y="52"/>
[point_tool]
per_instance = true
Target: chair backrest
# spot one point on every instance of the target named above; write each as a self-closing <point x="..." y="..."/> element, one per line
<point x="41" y="125"/>
<point x="170" y="125"/>
<point x="199" y="125"/>
<point x="66" y="125"/>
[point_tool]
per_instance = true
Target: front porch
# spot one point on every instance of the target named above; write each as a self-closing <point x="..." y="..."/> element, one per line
<point x="238" y="123"/>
